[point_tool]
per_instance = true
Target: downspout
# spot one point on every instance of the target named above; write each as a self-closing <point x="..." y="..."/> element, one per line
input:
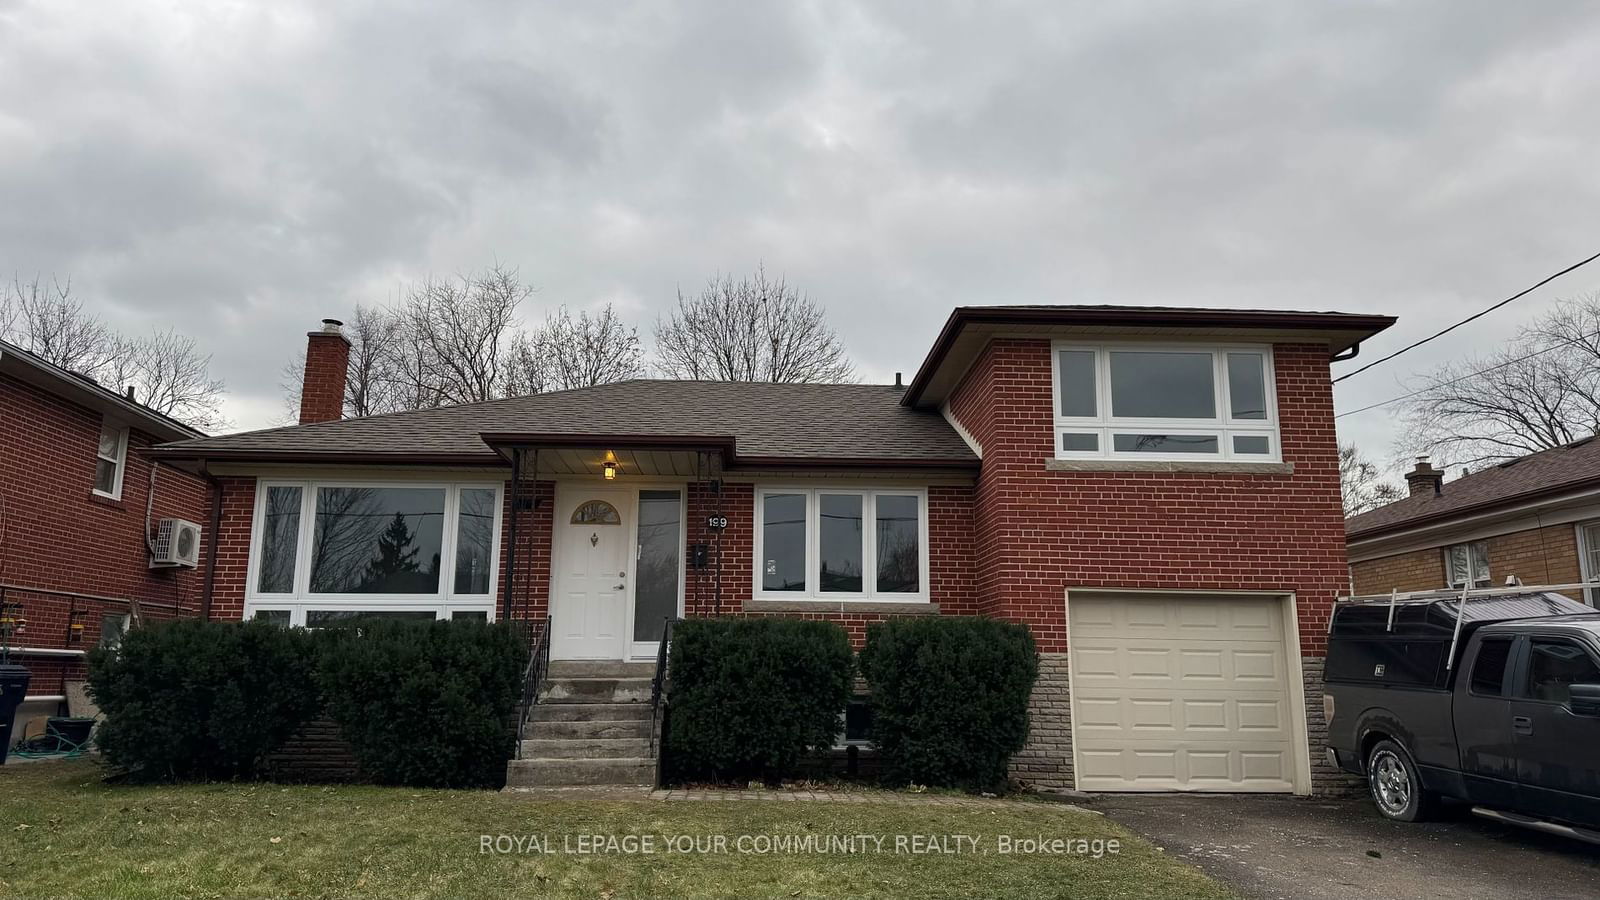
<point x="216" y="528"/>
<point x="1352" y="353"/>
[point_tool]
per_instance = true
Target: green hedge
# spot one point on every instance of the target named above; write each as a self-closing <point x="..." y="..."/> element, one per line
<point x="750" y="697"/>
<point x="421" y="703"/>
<point x="949" y="698"/>
<point x="428" y="704"/>
<point x="201" y="700"/>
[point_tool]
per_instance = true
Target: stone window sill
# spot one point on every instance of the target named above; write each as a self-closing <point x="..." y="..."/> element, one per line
<point x="1134" y="465"/>
<point x="842" y="606"/>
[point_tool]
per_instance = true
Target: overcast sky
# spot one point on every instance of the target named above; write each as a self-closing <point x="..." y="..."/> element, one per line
<point x="242" y="170"/>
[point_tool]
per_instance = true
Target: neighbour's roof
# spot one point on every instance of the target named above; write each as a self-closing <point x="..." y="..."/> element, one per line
<point x="970" y="327"/>
<point x="75" y="387"/>
<point x="781" y="424"/>
<point x="1543" y="474"/>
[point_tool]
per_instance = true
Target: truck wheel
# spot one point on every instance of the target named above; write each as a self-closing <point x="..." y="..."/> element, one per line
<point x="1395" y="785"/>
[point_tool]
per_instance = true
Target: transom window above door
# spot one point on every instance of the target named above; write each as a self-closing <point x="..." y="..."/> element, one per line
<point x="838" y="544"/>
<point x="1168" y="402"/>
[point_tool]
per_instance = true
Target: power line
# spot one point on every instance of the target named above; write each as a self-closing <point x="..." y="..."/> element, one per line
<point x="1522" y="293"/>
<point x="1566" y="343"/>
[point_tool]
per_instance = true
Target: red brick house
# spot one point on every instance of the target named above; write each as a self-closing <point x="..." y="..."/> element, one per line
<point x="1535" y="518"/>
<point x="1154" y="492"/>
<point x="81" y="510"/>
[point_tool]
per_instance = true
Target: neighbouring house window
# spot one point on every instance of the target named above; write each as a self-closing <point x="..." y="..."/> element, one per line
<point x="1165" y="403"/>
<point x="842" y="543"/>
<point x="110" y="458"/>
<point x="1468" y="564"/>
<point x="325" y="552"/>
<point x="112" y="628"/>
<point x="1590" y="534"/>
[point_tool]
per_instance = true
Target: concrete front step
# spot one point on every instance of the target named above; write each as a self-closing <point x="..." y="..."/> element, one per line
<point x="590" y="730"/>
<point x="586" y="748"/>
<point x="591" y="712"/>
<point x="541" y="772"/>
<point x="583" y="668"/>
<point x="595" y="690"/>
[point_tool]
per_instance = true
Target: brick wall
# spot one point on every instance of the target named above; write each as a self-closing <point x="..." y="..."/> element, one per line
<point x="56" y="534"/>
<point x="1040" y="532"/>
<point x="1546" y="555"/>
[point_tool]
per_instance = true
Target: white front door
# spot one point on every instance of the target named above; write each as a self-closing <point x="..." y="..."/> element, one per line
<point x="589" y="600"/>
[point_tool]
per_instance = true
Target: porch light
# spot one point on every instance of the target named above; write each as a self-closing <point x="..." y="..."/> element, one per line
<point x="611" y="470"/>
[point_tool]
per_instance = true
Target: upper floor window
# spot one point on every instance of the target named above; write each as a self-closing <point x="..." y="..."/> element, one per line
<point x="844" y="543"/>
<point x="110" y="459"/>
<point x="1467" y="564"/>
<point x="1171" y="402"/>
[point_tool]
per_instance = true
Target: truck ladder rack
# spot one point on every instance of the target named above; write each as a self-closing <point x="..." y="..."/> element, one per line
<point x="1463" y="596"/>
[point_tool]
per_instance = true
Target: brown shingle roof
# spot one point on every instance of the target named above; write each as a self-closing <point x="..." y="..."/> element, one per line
<point x="780" y="422"/>
<point x="1548" y="472"/>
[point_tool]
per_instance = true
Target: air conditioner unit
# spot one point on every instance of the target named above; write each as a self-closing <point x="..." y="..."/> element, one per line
<point x="177" y="544"/>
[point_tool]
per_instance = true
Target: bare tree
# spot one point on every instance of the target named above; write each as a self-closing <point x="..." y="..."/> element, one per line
<point x="166" y="370"/>
<point x="1361" y="484"/>
<point x="450" y="341"/>
<point x="1538" y="392"/>
<point x="752" y="329"/>
<point x="455" y="334"/>
<point x="575" y="352"/>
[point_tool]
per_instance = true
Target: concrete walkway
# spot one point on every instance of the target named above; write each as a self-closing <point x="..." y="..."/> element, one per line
<point x="802" y="795"/>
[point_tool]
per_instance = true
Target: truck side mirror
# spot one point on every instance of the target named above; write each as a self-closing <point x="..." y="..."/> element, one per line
<point x="1585" y="699"/>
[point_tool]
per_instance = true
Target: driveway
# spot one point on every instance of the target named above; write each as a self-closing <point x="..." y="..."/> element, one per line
<point x="1276" y="846"/>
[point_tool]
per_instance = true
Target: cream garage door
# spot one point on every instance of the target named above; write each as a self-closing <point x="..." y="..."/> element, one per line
<point x="1180" y="693"/>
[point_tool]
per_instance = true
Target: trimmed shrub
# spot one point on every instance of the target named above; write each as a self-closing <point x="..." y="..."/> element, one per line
<point x="428" y="704"/>
<point x="750" y="697"/>
<point x="949" y="698"/>
<point x="201" y="700"/>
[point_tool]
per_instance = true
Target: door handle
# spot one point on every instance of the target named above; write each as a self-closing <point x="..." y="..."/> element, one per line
<point x="1522" y="725"/>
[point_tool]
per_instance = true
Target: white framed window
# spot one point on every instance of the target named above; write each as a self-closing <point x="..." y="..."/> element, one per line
<point x="1589" y="558"/>
<point x="110" y="459"/>
<point x="1467" y="564"/>
<point x="1164" y="402"/>
<point x="844" y="543"/>
<point x="322" y="551"/>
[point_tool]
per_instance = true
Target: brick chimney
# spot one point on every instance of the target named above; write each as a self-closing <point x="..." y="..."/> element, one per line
<point x="327" y="364"/>
<point x="1425" y="479"/>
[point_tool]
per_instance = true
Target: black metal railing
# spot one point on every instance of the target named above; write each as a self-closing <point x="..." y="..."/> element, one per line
<point x="658" y="693"/>
<point x="533" y="675"/>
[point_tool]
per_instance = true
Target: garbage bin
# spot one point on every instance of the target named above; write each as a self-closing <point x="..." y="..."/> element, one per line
<point x="13" y="687"/>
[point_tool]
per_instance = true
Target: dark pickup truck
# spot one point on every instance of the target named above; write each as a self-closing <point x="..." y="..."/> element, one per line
<point x="1494" y="701"/>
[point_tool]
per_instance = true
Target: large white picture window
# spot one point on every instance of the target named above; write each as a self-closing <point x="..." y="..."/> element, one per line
<point x="841" y="544"/>
<point x="1164" y="402"/>
<point x="325" y="551"/>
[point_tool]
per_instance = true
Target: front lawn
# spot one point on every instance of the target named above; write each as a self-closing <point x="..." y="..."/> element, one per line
<point x="64" y="833"/>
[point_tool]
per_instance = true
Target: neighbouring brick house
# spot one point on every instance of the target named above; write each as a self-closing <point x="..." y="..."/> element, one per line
<point x="1154" y="492"/>
<point x="81" y="502"/>
<point x="1536" y="518"/>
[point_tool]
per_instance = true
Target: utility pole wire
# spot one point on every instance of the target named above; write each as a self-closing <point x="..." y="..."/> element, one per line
<point x="1510" y="362"/>
<point x="1522" y="293"/>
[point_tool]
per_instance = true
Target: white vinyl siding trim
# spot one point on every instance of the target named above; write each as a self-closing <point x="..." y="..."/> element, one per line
<point x="813" y="552"/>
<point x="1096" y="436"/>
<point x="444" y="601"/>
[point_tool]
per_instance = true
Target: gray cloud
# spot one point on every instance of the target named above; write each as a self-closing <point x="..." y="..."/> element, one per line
<point x="242" y="171"/>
